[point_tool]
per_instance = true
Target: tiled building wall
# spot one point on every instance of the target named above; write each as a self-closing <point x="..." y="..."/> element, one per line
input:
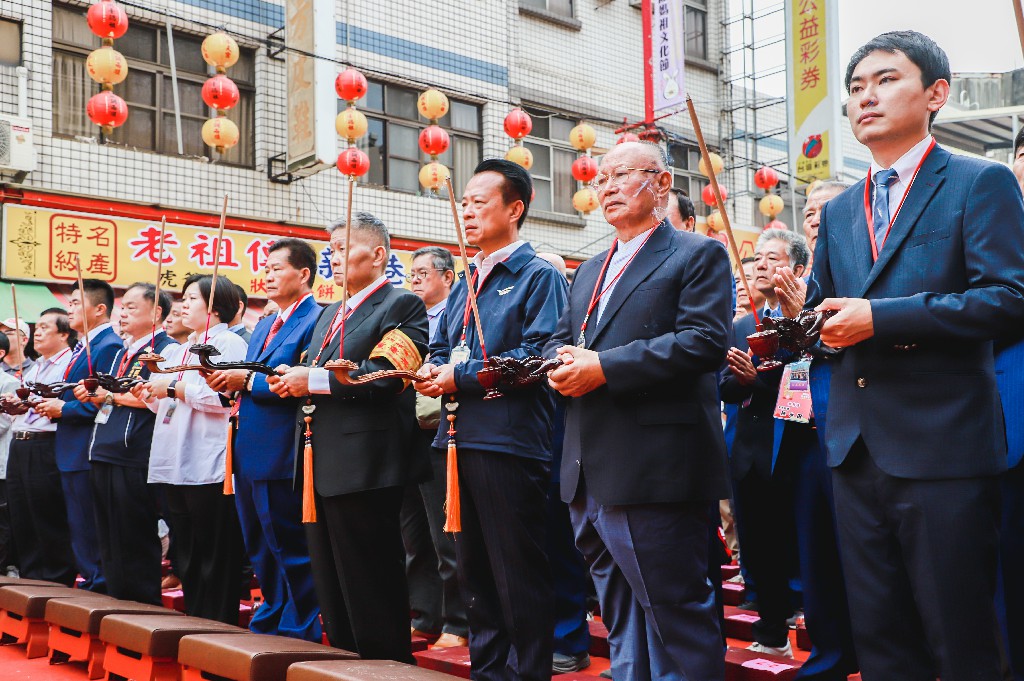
<point x="484" y="51"/>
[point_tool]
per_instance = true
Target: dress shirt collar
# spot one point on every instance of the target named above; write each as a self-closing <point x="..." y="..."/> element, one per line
<point x="437" y="309"/>
<point x="97" y="331"/>
<point x="486" y="264"/>
<point x="134" y="346"/>
<point x="284" y="314"/>
<point x="628" y="248"/>
<point x="194" y="337"/>
<point x="363" y="294"/>
<point x="907" y="163"/>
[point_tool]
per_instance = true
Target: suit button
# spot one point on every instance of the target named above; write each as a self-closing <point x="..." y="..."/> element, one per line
<point x="577" y="462"/>
<point x="862" y="382"/>
<point x="756" y="419"/>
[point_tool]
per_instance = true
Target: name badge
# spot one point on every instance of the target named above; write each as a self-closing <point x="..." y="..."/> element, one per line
<point x="459" y="354"/>
<point x="103" y="415"/>
<point x="170" y="412"/>
<point x="794" y="403"/>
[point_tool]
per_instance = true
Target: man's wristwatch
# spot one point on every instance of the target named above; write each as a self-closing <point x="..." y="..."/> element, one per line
<point x="171" y="392"/>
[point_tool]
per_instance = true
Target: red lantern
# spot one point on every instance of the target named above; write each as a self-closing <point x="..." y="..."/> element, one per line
<point x="766" y="177"/>
<point x="107" y="19"/>
<point x="584" y="168"/>
<point x="776" y="224"/>
<point x="518" y="124"/>
<point x="350" y="85"/>
<point x="434" y="140"/>
<point x="709" y="196"/>
<point x="220" y="92"/>
<point x="107" y="109"/>
<point x="628" y="137"/>
<point x="353" y="162"/>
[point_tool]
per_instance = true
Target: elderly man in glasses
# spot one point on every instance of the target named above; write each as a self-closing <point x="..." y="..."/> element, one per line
<point x="646" y="329"/>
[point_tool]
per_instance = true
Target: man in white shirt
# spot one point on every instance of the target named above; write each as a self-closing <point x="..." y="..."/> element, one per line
<point x="38" y="515"/>
<point x="15" y="362"/>
<point x="8" y="383"/>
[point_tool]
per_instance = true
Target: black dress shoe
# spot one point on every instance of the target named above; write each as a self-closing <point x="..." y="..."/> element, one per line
<point x="566" y="664"/>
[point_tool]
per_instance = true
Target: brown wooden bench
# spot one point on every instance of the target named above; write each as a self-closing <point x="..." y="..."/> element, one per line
<point x="75" y="627"/>
<point x="22" y="611"/>
<point x="248" y="657"/>
<point x="145" y="647"/>
<point x="361" y="670"/>
<point x="17" y="581"/>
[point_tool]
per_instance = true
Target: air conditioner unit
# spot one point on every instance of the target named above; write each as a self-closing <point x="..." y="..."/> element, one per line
<point x="17" y="153"/>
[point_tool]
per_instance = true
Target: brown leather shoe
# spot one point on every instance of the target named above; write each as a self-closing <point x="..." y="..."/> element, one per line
<point x="450" y="641"/>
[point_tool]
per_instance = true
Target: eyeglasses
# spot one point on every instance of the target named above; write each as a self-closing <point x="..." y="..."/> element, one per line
<point x="420" y="275"/>
<point x="616" y="177"/>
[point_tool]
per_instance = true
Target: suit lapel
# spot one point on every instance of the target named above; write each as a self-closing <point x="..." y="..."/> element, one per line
<point x="358" y="317"/>
<point x="286" y="330"/>
<point x="928" y="181"/>
<point x="647" y="259"/>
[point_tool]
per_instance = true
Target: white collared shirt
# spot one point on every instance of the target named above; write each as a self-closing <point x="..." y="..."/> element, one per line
<point x="319" y="378"/>
<point x="484" y="265"/>
<point x="284" y="314"/>
<point x="190" y="434"/>
<point x="45" y="370"/>
<point x="434" y="317"/>
<point x="97" y="331"/>
<point x="904" y="167"/>
<point x="624" y="250"/>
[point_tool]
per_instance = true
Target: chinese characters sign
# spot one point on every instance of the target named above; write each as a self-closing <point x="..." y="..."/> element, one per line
<point x="312" y="104"/>
<point x="41" y="245"/>
<point x="667" y="44"/>
<point x="812" y="89"/>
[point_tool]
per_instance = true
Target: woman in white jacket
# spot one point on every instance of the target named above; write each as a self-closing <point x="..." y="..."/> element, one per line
<point x="187" y="459"/>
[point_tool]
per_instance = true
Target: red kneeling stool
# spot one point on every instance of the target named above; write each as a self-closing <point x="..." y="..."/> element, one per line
<point x="145" y="647"/>
<point x="248" y="657"/>
<point x="361" y="670"/>
<point x="22" y="609"/>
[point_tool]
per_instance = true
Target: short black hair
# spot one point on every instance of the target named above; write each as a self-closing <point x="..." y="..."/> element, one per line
<point x="225" y="302"/>
<point x="1018" y="141"/>
<point x="63" y="325"/>
<point x="149" y="293"/>
<point x="516" y="184"/>
<point x="919" y="48"/>
<point x="748" y="259"/>
<point x="243" y="299"/>
<point x="686" y="208"/>
<point x="98" y="292"/>
<point x="300" y="254"/>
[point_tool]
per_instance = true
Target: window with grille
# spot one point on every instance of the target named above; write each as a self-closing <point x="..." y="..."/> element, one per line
<point x="685" y="174"/>
<point x="553" y="183"/>
<point x="149" y="90"/>
<point x="392" y="141"/>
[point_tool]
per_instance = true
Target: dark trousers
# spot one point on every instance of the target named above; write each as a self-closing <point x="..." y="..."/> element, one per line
<point x="126" y="525"/>
<point x="503" y="570"/>
<point x="358" y="569"/>
<point x="764" y="524"/>
<point x="1010" y="598"/>
<point x="208" y="549"/>
<point x="827" y="614"/>
<point x="85" y="542"/>
<point x="8" y="554"/>
<point x="920" y="563"/>
<point x="430" y="564"/>
<point x="569" y="576"/>
<point x="38" y="515"/>
<point x="270" y="514"/>
<point x="649" y="563"/>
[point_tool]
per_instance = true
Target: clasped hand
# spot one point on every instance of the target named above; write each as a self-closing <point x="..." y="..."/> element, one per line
<point x="580" y="373"/>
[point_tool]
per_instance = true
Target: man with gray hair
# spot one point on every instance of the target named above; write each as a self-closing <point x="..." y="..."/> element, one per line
<point x="763" y="504"/>
<point x="816" y="200"/>
<point x="360" y="446"/>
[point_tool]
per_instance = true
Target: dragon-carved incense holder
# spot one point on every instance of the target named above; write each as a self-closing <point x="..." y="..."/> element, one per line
<point x="782" y="333"/>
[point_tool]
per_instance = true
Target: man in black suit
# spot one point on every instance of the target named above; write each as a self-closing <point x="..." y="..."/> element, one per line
<point x="645" y="332"/>
<point x="362" y="453"/>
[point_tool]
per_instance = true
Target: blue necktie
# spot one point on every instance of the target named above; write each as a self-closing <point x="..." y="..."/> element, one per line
<point x="882" y="179"/>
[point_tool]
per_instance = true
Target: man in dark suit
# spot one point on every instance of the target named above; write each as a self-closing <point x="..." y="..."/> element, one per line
<point x="362" y="454"/>
<point x="75" y="422"/>
<point x="923" y="262"/>
<point x="645" y="332"/>
<point x="504" y="446"/>
<point x="1010" y="378"/>
<point x="269" y="507"/>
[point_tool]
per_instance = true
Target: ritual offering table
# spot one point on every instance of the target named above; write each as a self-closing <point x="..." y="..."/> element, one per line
<point x="145" y="647"/>
<point x="75" y="627"/>
<point x="248" y="657"/>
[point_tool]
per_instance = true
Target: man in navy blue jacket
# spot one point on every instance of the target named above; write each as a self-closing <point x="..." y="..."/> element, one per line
<point x="645" y="332"/>
<point x="924" y="263"/>
<point x="269" y="507"/>
<point x="504" y="446"/>
<point x="126" y="508"/>
<point x="75" y="422"/>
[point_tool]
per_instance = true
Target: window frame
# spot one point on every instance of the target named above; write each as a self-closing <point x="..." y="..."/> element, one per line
<point x="694" y="180"/>
<point x="160" y="108"/>
<point x="20" y="26"/>
<point x="553" y="144"/>
<point x="694" y="7"/>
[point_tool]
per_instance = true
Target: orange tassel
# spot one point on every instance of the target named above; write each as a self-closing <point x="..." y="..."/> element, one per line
<point x="452" y="504"/>
<point x="308" y="502"/>
<point x="229" y="486"/>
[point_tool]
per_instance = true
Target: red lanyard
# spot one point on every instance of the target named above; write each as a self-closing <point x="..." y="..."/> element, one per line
<point x="595" y="297"/>
<point x="53" y="362"/>
<point x="870" y="214"/>
<point x="125" y="362"/>
<point x="465" y="314"/>
<point x="339" y="324"/>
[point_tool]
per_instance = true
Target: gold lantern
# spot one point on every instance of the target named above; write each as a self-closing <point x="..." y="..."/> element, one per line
<point x="582" y="137"/>
<point x="585" y="200"/>
<point x="432" y="104"/>
<point x="220" y="50"/>
<point x="433" y="175"/>
<point x="351" y="124"/>
<point x="107" y="66"/>
<point x="521" y="155"/>
<point x="220" y="133"/>
<point x="716" y="163"/>
<point x="771" y="205"/>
